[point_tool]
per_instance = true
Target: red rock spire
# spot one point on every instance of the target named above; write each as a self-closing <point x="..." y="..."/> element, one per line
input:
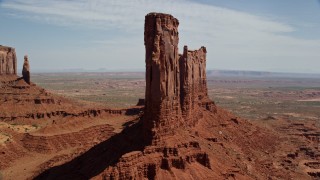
<point x="175" y="84"/>
<point x="26" y="70"/>
<point x="162" y="111"/>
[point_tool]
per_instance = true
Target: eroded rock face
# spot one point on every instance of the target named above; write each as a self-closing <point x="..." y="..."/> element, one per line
<point x="176" y="85"/>
<point x="193" y="80"/>
<point x="193" y="87"/>
<point x="26" y="70"/>
<point x="162" y="112"/>
<point x="8" y="61"/>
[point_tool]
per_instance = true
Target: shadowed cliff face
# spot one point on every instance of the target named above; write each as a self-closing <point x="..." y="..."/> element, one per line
<point x="175" y="84"/>
<point x="8" y="61"/>
<point x="162" y="75"/>
<point x="26" y="70"/>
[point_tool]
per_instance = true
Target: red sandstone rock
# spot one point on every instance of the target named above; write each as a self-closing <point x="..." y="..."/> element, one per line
<point x="8" y="61"/>
<point x="193" y="74"/>
<point x="169" y="106"/>
<point x="193" y="87"/>
<point x="162" y="109"/>
<point x="26" y="70"/>
<point x="176" y="85"/>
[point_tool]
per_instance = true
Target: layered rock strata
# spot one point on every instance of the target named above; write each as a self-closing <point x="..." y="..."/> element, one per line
<point x="175" y="84"/>
<point x="162" y="108"/>
<point x="193" y="84"/>
<point x="8" y="61"/>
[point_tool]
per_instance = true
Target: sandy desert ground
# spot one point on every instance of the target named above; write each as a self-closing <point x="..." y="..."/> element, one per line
<point x="250" y="97"/>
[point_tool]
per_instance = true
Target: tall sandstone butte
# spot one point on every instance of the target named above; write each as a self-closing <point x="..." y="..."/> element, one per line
<point x="162" y="100"/>
<point x="175" y="84"/>
<point x="8" y="61"/>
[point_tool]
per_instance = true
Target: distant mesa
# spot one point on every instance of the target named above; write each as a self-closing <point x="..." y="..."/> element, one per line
<point x="8" y="61"/>
<point x="8" y="68"/>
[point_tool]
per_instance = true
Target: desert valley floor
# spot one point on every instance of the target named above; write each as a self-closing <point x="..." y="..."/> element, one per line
<point x="288" y="108"/>
<point x="255" y="98"/>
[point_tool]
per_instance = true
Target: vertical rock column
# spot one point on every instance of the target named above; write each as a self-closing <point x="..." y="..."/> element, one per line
<point x="193" y="87"/>
<point x="186" y="83"/>
<point x="200" y="57"/>
<point x="26" y="70"/>
<point x="162" y="98"/>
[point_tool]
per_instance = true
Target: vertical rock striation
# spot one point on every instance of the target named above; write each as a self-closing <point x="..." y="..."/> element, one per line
<point x="26" y="70"/>
<point x="175" y="84"/>
<point x="193" y="89"/>
<point x="162" y="112"/>
<point x="8" y="61"/>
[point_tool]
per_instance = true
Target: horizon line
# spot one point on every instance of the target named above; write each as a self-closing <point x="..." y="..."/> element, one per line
<point x="102" y="70"/>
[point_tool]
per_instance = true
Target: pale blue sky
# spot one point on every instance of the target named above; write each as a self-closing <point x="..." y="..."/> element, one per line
<point x="261" y="35"/>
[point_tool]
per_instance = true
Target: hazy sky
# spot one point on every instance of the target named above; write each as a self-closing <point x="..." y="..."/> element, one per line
<point x="267" y="35"/>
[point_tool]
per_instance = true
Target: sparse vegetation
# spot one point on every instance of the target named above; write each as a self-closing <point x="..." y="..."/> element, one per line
<point x="252" y="98"/>
<point x="35" y="126"/>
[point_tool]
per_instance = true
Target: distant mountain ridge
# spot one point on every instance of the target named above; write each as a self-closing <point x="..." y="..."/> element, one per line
<point x="241" y="73"/>
<point x="210" y="73"/>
